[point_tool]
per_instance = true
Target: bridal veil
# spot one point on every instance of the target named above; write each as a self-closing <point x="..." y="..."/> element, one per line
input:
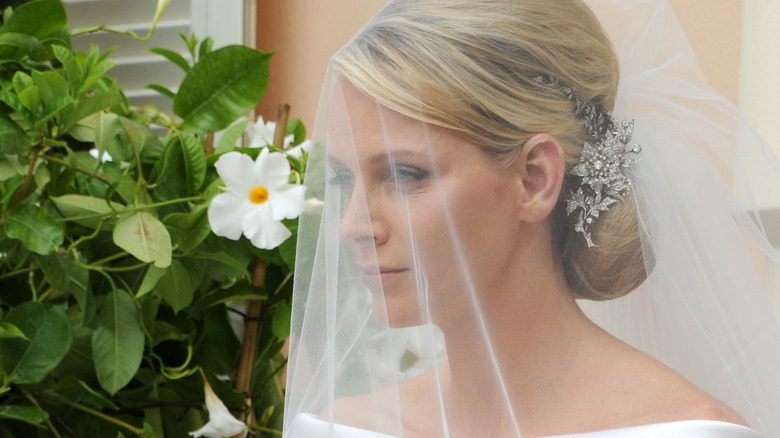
<point x="698" y="190"/>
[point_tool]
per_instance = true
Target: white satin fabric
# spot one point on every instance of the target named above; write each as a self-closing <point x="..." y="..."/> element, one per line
<point x="308" y="426"/>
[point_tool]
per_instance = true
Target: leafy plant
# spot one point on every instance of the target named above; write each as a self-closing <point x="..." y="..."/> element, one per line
<point x="114" y="291"/>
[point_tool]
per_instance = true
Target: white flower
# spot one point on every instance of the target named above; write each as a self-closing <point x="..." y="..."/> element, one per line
<point x="96" y="154"/>
<point x="264" y="134"/>
<point x="258" y="198"/>
<point x="221" y="422"/>
<point x="295" y="151"/>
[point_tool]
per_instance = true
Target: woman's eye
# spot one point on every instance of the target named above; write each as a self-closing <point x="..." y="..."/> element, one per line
<point x="407" y="174"/>
<point x="341" y="178"/>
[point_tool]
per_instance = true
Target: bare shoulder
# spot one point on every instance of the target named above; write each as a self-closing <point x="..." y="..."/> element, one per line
<point x="666" y="396"/>
<point x="710" y="408"/>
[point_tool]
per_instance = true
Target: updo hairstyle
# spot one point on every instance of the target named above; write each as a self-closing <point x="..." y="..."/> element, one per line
<point x="473" y="67"/>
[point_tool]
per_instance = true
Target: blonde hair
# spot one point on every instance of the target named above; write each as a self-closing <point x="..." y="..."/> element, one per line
<point x="473" y="67"/>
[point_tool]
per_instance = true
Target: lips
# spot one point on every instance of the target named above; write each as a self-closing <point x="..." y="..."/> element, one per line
<point x="376" y="275"/>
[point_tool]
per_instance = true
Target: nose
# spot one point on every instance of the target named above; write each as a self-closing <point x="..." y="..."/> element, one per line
<point x="362" y="225"/>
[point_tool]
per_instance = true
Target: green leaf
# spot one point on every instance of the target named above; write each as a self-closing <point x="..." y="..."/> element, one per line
<point x="164" y="331"/>
<point x="10" y="331"/>
<point x="194" y="160"/>
<point x="49" y="337"/>
<point x="240" y="291"/>
<point x="21" y="81"/>
<point x="222" y="86"/>
<point x="106" y="130"/>
<point x="22" y="41"/>
<point x="12" y="139"/>
<point x="30" y="98"/>
<point x="281" y="322"/>
<point x="118" y="342"/>
<point x="230" y="137"/>
<point x="145" y="237"/>
<point x="188" y="230"/>
<point x="16" y="104"/>
<point x="55" y="271"/>
<point x="205" y="47"/>
<point x="225" y="259"/>
<point x="28" y="414"/>
<point x="218" y="350"/>
<point x="176" y="287"/>
<point x="79" y="279"/>
<point x="95" y="73"/>
<point x="50" y="83"/>
<point x="88" y="106"/>
<point x="35" y="228"/>
<point x="85" y="210"/>
<point x="297" y="129"/>
<point x="151" y="278"/>
<point x="77" y="390"/>
<point x="37" y="18"/>
<point x="169" y="174"/>
<point x="53" y="107"/>
<point x="139" y="135"/>
<point x="172" y="56"/>
<point x="162" y="90"/>
<point x="73" y="71"/>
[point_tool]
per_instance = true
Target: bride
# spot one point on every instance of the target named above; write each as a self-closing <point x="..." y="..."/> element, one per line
<point x="525" y="220"/>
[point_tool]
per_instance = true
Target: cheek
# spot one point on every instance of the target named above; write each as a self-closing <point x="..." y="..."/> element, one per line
<point x="469" y="237"/>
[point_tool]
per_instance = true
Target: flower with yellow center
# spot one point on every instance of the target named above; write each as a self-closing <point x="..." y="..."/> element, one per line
<point x="258" y="197"/>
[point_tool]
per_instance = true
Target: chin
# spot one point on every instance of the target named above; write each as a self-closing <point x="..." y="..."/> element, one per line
<point x="397" y="315"/>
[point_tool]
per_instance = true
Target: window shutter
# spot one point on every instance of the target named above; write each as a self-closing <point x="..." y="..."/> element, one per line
<point x="136" y="66"/>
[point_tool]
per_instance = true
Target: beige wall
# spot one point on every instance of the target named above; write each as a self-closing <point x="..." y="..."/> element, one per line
<point x="304" y="34"/>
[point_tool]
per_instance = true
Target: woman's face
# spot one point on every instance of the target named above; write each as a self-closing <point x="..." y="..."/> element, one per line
<point x="429" y="217"/>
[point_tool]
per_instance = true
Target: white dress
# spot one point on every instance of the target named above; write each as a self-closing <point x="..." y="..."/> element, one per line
<point x="308" y="426"/>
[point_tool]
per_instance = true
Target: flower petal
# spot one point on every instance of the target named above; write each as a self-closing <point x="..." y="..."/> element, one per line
<point x="221" y="422"/>
<point x="224" y="214"/>
<point x="272" y="169"/>
<point x="264" y="232"/>
<point x="236" y="170"/>
<point x="287" y="202"/>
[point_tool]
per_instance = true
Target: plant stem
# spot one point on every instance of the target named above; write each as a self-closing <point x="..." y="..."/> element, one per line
<point x="130" y="209"/>
<point x="100" y="178"/>
<point x="282" y="114"/>
<point x="18" y="272"/>
<point x="27" y="179"/>
<point x="102" y="416"/>
<point x="251" y="327"/>
<point x="37" y="405"/>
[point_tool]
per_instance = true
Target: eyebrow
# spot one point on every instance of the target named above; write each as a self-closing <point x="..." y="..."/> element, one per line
<point x="379" y="158"/>
<point x="333" y="161"/>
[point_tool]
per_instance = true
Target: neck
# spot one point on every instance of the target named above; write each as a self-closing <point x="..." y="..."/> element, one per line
<point x="516" y="350"/>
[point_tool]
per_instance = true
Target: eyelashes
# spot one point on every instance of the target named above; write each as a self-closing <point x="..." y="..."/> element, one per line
<point x="398" y="176"/>
<point x="342" y="178"/>
<point x="404" y="174"/>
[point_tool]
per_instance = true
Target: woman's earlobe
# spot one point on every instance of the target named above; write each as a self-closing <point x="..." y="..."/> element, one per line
<point x="542" y="167"/>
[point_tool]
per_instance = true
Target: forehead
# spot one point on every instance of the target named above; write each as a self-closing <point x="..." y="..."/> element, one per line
<point x="360" y="127"/>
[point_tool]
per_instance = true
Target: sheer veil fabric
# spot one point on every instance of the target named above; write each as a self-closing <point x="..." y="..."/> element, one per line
<point x="402" y="257"/>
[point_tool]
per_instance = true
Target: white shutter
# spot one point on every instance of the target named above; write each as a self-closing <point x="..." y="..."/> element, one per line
<point x="136" y="67"/>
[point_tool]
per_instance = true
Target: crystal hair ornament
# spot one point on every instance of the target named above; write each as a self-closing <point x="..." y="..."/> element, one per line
<point x="604" y="181"/>
<point x="602" y="164"/>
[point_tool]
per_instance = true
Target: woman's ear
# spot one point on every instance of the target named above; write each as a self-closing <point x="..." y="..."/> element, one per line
<point x="541" y="166"/>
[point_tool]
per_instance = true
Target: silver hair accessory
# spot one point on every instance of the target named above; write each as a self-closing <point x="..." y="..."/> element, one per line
<point x="602" y="163"/>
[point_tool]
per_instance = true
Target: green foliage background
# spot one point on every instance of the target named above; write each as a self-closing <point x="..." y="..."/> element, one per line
<point x="113" y="288"/>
